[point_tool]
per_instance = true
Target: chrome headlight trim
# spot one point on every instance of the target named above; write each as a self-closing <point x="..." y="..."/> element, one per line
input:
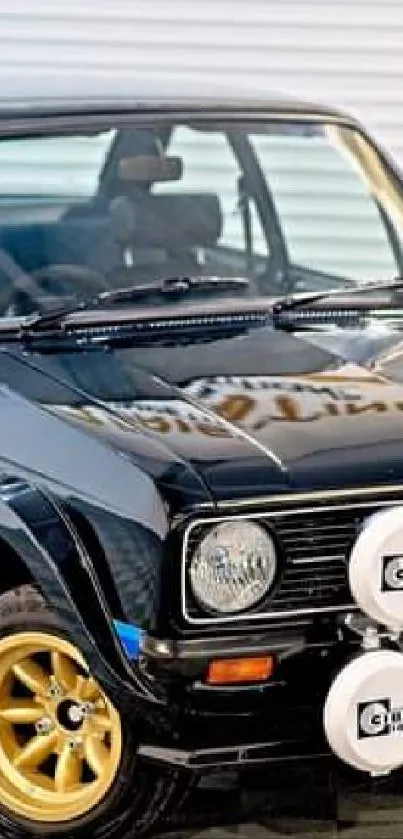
<point x="266" y="613"/>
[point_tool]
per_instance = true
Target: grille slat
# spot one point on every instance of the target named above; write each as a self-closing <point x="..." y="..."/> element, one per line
<point x="338" y="549"/>
<point x="314" y="551"/>
<point x="315" y="560"/>
<point x="299" y="570"/>
<point x="292" y="581"/>
<point x="339" y="526"/>
<point x="321" y="534"/>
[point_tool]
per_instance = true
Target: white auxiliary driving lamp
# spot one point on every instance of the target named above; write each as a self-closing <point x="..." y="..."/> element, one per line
<point x="363" y="712"/>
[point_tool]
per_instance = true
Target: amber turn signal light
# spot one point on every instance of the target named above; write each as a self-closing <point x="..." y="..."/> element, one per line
<point x="230" y="671"/>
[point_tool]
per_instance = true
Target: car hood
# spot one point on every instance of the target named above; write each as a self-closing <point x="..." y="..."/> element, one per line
<point x="238" y="418"/>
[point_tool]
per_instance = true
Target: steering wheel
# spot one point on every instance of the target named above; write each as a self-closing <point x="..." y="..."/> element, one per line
<point x="51" y="280"/>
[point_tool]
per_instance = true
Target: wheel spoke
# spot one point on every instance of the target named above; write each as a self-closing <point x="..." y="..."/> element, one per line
<point x="20" y="711"/>
<point x="64" y="671"/>
<point x="102" y="722"/>
<point x="32" y="676"/>
<point x="87" y="688"/>
<point x="96" y="755"/>
<point x="36" y="751"/>
<point x="68" y="769"/>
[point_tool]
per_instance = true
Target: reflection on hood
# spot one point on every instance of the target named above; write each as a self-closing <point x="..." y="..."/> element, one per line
<point x="242" y="417"/>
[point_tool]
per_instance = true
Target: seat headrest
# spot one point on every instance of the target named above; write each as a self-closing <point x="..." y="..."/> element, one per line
<point x="168" y="221"/>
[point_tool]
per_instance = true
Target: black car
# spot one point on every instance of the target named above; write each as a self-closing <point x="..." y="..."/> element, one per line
<point x="201" y="454"/>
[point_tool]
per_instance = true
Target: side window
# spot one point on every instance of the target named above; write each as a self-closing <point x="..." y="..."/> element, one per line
<point x="209" y="165"/>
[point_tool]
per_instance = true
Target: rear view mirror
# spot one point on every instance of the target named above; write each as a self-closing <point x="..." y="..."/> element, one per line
<point x="150" y="168"/>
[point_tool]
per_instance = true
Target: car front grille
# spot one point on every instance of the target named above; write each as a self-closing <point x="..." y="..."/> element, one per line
<point x="315" y="552"/>
<point x="314" y="547"/>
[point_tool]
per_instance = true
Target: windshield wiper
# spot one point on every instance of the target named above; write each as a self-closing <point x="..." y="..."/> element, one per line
<point x="172" y="287"/>
<point x="168" y="287"/>
<point x="291" y="302"/>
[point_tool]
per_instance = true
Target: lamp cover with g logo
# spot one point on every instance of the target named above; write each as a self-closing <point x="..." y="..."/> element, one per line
<point x="363" y="712"/>
<point x="376" y="568"/>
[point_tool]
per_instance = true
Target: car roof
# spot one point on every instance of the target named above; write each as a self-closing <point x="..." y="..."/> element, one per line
<point x="78" y="95"/>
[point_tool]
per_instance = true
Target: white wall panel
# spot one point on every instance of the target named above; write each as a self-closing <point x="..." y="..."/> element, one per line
<point x="347" y="52"/>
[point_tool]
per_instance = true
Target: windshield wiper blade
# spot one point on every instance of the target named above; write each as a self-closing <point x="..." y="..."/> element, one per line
<point x="287" y="304"/>
<point x="53" y="319"/>
<point x="172" y="287"/>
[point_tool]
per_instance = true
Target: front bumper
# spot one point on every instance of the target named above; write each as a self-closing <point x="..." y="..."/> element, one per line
<point x="195" y="650"/>
<point x="243" y="726"/>
<point x="237" y="757"/>
<point x="237" y="727"/>
<point x="189" y="656"/>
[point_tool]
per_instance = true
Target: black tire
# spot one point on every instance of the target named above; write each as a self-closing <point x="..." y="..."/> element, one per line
<point x="139" y="795"/>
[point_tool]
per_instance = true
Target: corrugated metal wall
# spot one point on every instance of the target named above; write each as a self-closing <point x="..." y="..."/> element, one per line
<point x="347" y="52"/>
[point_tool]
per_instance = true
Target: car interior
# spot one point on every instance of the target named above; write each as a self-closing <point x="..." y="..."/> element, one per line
<point x="123" y="235"/>
<point x="128" y="232"/>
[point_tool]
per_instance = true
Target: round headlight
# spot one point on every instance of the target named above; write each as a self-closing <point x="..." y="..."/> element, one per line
<point x="233" y="567"/>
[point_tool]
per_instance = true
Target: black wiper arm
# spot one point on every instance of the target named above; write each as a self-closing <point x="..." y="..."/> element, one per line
<point x="287" y="304"/>
<point x="53" y="319"/>
<point x="167" y="287"/>
<point x="172" y="287"/>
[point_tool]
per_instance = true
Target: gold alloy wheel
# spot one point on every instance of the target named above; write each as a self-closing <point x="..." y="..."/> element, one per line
<point x="60" y="737"/>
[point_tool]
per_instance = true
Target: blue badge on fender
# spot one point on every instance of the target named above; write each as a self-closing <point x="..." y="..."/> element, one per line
<point x="130" y="637"/>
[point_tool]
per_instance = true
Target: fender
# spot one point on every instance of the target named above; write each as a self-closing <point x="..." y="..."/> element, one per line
<point x="38" y="446"/>
<point x="38" y="529"/>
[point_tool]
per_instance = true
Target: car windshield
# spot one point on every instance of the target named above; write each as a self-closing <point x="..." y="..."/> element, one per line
<point x="290" y="205"/>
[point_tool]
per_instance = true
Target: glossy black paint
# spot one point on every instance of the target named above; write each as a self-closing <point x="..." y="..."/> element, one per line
<point x="261" y="413"/>
<point x="128" y="439"/>
<point x="39" y="532"/>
